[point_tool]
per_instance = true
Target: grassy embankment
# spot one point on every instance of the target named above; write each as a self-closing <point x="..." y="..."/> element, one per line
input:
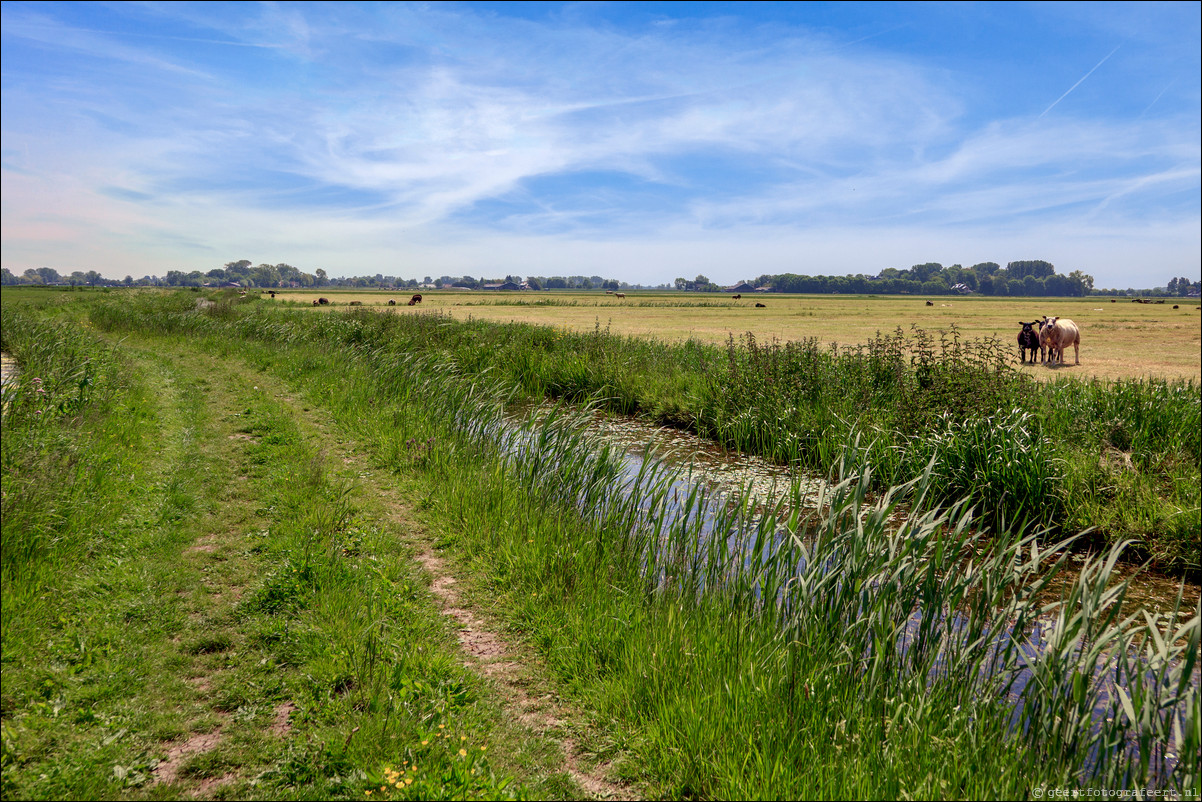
<point x="1121" y="457"/>
<point x="699" y="693"/>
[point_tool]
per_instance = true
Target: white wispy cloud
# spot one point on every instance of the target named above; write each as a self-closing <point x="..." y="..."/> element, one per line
<point x="349" y="135"/>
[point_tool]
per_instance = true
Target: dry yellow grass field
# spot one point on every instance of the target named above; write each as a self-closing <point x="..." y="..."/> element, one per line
<point x="1118" y="340"/>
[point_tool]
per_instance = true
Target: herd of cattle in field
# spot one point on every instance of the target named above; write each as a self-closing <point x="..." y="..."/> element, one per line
<point x="1048" y="338"/>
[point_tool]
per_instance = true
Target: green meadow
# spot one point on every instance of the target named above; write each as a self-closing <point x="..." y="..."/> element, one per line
<point x="217" y="509"/>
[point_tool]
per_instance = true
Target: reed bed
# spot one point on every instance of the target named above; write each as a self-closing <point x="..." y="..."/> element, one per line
<point x="870" y="650"/>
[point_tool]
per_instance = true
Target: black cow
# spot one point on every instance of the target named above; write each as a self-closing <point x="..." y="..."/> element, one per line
<point x="761" y="306"/>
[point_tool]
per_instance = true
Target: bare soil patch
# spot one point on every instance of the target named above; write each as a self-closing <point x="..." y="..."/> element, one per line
<point x="168" y="770"/>
<point x="282" y="724"/>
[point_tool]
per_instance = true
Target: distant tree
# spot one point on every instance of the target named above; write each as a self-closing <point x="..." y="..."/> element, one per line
<point x="611" y="284"/>
<point x="1035" y="267"/>
<point x="320" y="278"/>
<point x="7" y="278"/>
<point x="534" y="283"/>
<point x="93" y="278"/>
<point x="1084" y="279"/>
<point x="924" y="272"/>
<point x="986" y="268"/>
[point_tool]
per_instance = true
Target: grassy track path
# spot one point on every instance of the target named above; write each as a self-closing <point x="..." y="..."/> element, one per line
<point x="250" y="663"/>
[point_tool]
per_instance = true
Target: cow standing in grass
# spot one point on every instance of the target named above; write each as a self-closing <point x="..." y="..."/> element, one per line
<point x="1028" y="340"/>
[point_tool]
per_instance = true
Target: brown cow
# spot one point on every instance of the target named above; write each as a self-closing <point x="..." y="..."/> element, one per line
<point x="416" y="299"/>
<point x="1058" y="334"/>
<point x="323" y="301"/>
<point x="391" y="302"/>
<point x="739" y="297"/>
<point x="356" y="303"/>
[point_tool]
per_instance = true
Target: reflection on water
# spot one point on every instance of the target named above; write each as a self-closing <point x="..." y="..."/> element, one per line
<point x="731" y="473"/>
<point x="1039" y="643"/>
<point x="8" y="372"/>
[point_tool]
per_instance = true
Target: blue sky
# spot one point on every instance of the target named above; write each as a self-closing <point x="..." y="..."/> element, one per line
<point x="640" y="141"/>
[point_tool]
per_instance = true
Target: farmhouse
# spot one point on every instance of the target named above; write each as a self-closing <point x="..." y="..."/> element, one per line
<point x="743" y="287"/>
<point x="504" y="285"/>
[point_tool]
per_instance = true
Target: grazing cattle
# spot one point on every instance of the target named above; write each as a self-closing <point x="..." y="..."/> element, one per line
<point x="930" y="303"/>
<point x="272" y="293"/>
<point x="1113" y="301"/>
<point x="1028" y="340"/>
<point x="315" y="303"/>
<point x="323" y="301"/>
<point x="1058" y="334"/>
<point x="1176" y="306"/>
<point x="609" y="292"/>
<point x="619" y="295"/>
<point x="356" y="303"/>
<point x="391" y="302"/>
<point x="739" y="297"/>
<point x="416" y="299"/>
<point x="759" y="305"/>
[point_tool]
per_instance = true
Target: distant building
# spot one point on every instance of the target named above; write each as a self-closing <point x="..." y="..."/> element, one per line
<point x="505" y="285"/>
<point x="743" y="287"/>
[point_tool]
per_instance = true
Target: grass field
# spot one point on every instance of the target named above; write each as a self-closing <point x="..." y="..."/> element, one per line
<point x="227" y="528"/>
<point x="1118" y="340"/>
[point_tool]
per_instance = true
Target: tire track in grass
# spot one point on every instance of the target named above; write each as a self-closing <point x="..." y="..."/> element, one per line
<point x="491" y="654"/>
<point x="204" y="669"/>
<point x="487" y="653"/>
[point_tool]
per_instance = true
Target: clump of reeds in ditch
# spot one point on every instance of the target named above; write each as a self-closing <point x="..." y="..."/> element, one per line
<point x="917" y="600"/>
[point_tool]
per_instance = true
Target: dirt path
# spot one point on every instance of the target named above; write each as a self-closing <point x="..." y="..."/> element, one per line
<point x="490" y="654"/>
<point x="217" y="557"/>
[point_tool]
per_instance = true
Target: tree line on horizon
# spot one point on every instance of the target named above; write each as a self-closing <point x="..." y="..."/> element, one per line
<point x="1023" y="278"/>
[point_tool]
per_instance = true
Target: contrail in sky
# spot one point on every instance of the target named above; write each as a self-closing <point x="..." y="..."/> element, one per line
<point x="1078" y="83"/>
